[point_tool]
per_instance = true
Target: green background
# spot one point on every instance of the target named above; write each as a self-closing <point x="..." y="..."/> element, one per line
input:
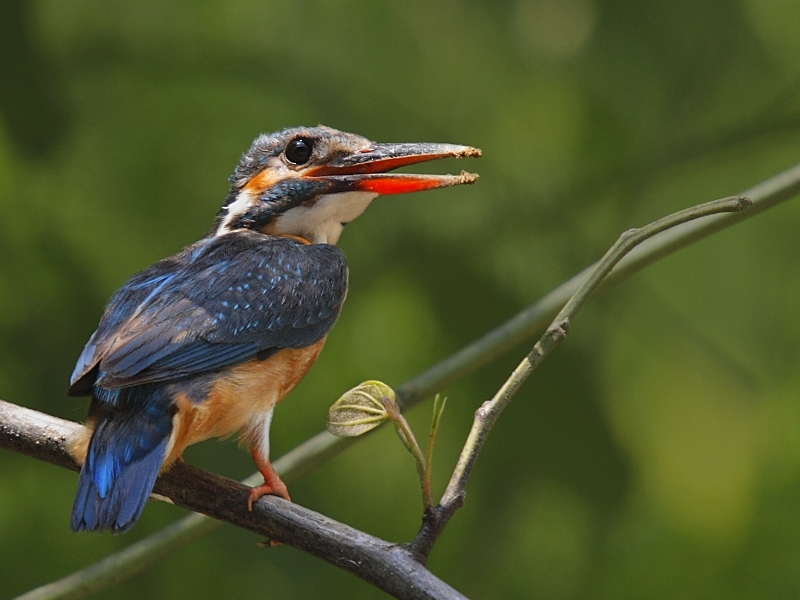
<point x="656" y="454"/>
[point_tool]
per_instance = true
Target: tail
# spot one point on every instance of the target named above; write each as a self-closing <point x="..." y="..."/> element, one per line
<point x="125" y="454"/>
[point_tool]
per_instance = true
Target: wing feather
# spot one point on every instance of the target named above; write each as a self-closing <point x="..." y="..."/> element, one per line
<point x="217" y="303"/>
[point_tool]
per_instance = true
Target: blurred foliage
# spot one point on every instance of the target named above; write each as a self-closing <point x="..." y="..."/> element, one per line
<point x="655" y="455"/>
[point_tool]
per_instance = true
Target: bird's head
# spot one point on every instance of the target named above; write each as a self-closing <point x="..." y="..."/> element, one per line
<point x="312" y="181"/>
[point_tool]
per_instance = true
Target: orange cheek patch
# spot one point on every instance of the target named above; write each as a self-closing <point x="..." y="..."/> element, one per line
<point x="264" y="180"/>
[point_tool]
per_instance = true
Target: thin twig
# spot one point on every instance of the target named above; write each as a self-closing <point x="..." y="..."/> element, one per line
<point x="410" y="441"/>
<point x="322" y="447"/>
<point x="438" y="408"/>
<point x="486" y="416"/>
<point x="385" y="565"/>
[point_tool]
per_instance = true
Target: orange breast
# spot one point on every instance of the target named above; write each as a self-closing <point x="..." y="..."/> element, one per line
<point x="239" y="395"/>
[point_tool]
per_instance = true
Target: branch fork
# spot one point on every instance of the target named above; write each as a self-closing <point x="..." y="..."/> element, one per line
<point x="434" y="521"/>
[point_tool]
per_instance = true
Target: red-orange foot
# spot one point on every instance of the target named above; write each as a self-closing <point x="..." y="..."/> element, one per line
<point x="263" y="490"/>
<point x="272" y="483"/>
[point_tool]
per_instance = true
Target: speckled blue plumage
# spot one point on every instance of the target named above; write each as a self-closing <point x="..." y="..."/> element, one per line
<point x="217" y="303"/>
<point x="220" y="302"/>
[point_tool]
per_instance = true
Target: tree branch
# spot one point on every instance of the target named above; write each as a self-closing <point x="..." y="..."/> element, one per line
<point x="522" y="326"/>
<point x="385" y="565"/>
<point x="434" y="521"/>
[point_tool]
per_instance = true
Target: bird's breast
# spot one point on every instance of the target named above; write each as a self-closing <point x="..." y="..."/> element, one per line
<point x="239" y="397"/>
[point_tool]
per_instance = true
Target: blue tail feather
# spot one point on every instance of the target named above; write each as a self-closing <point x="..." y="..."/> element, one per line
<point x="125" y="454"/>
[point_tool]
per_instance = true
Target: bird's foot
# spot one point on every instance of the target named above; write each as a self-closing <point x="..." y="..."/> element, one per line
<point x="272" y="485"/>
<point x="263" y="490"/>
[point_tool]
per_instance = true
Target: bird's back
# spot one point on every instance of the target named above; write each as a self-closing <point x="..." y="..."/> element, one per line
<point x="202" y="344"/>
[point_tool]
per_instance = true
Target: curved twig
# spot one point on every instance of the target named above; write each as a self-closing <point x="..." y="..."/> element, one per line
<point x="434" y="521"/>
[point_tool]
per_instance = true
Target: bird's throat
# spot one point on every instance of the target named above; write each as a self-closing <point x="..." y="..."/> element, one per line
<point x="322" y="221"/>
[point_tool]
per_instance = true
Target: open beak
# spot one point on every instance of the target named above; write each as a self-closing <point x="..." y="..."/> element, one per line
<point x="367" y="170"/>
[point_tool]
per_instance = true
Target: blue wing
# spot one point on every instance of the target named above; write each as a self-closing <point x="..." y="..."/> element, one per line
<point x="217" y="303"/>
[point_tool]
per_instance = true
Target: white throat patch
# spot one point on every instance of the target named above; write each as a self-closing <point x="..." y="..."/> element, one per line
<point x="322" y="223"/>
<point x="235" y="209"/>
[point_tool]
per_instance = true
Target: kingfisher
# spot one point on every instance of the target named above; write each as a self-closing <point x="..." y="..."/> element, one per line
<point x="206" y="342"/>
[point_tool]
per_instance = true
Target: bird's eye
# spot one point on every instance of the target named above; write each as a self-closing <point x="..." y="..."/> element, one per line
<point x="298" y="151"/>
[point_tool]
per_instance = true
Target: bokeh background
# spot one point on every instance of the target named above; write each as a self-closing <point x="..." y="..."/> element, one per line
<point x="655" y="455"/>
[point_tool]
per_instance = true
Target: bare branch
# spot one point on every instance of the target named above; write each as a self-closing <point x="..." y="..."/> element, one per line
<point x="322" y="447"/>
<point x="385" y="565"/>
<point x="434" y="521"/>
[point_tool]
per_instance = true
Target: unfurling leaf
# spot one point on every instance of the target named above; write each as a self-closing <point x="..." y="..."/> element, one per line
<point x="359" y="410"/>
